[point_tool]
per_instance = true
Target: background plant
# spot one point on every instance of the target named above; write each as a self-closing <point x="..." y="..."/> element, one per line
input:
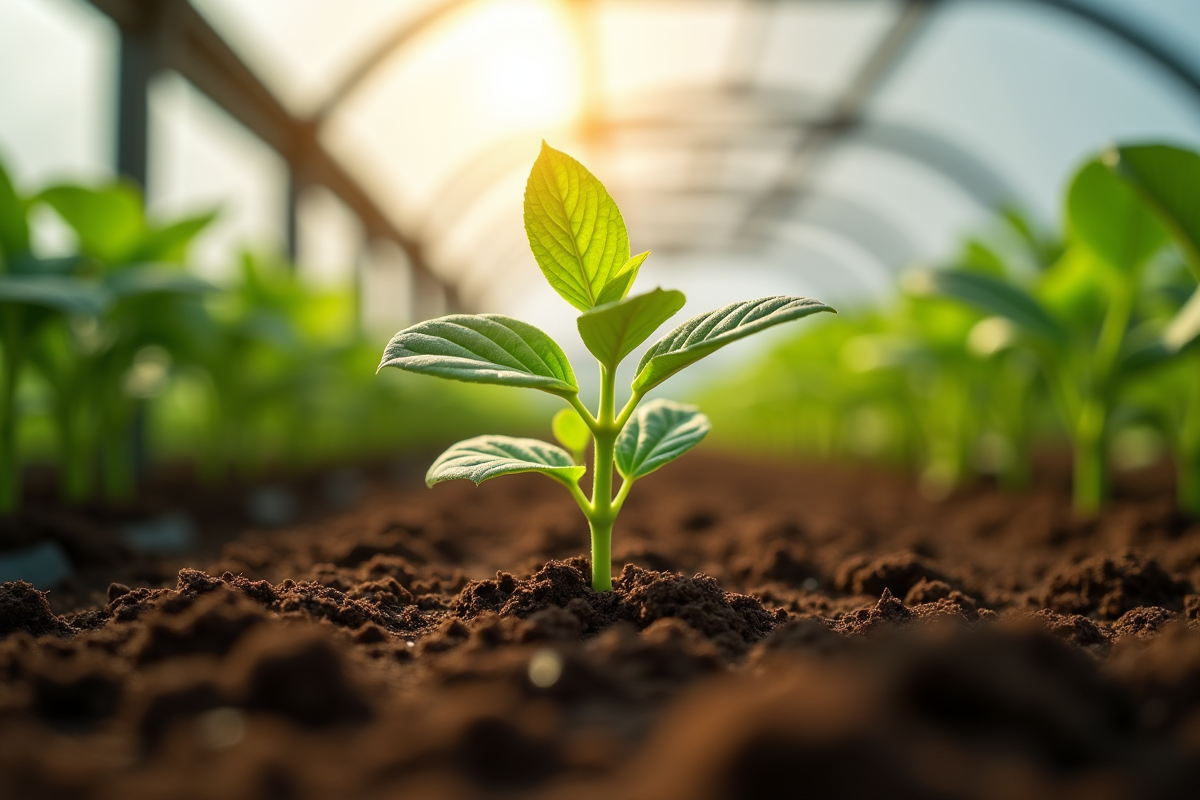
<point x="580" y="243"/>
<point x="115" y="356"/>
<point x="1089" y="334"/>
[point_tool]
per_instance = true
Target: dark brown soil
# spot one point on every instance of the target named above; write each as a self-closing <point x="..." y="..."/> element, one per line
<point x="775" y="631"/>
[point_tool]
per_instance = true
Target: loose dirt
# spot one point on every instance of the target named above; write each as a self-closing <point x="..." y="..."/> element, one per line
<point x="774" y="631"/>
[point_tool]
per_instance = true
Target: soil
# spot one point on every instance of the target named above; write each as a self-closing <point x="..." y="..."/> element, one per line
<point x="775" y="630"/>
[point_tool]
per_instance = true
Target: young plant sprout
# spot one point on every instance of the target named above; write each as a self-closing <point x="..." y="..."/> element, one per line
<point x="578" y="237"/>
<point x="1081" y="320"/>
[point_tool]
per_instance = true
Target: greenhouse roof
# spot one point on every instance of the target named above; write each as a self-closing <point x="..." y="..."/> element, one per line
<point x="756" y="146"/>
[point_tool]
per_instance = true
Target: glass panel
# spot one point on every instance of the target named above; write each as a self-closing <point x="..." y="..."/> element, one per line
<point x="648" y="48"/>
<point x="1174" y="23"/>
<point x="331" y="240"/>
<point x="815" y="48"/>
<point x="302" y="48"/>
<point x="200" y="159"/>
<point x="477" y="80"/>
<point x="58" y="84"/>
<point x="1030" y="118"/>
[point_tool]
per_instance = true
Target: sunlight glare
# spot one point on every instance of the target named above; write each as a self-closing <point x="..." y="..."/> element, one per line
<point x="531" y="77"/>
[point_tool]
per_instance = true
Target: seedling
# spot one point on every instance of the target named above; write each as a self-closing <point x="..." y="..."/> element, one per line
<point x="1121" y="209"/>
<point x="579" y="240"/>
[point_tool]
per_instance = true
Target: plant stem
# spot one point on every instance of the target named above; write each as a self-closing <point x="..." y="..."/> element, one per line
<point x="1187" y="488"/>
<point x="1090" y="429"/>
<point x="601" y="555"/>
<point x="1187" y="458"/>
<point x="72" y="458"/>
<point x="10" y="478"/>
<point x="1089" y="473"/>
<point x="116" y="452"/>
<point x="602" y="516"/>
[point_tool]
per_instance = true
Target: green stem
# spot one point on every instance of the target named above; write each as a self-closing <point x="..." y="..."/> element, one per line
<point x="1187" y="488"/>
<point x="10" y="477"/>
<point x="602" y="516"/>
<point x="622" y="493"/>
<point x="1187" y="458"/>
<point x="601" y="555"/>
<point x="582" y="410"/>
<point x="72" y="460"/>
<point x="116" y="453"/>
<point x="1089" y="472"/>
<point x="1090" y="479"/>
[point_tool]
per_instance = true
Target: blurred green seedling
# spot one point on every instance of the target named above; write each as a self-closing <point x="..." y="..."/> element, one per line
<point x="1081" y="318"/>
<point x="579" y="240"/>
<point x="84" y="322"/>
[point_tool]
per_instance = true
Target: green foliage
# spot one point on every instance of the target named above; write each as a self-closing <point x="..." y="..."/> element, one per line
<point x="612" y="331"/>
<point x="705" y="334"/>
<point x="576" y="231"/>
<point x="657" y="434"/>
<point x="579" y="240"/>
<point x="119" y="341"/>
<point x="14" y="229"/>
<point x="571" y="432"/>
<point x="486" y="457"/>
<point x="1108" y="218"/>
<point x="484" y="348"/>
<point x="1021" y="338"/>
<point x="1166" y="177"/>
<point x="993" y="296"/>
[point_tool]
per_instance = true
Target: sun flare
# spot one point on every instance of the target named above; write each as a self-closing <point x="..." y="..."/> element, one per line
<point x="532" y="73"/>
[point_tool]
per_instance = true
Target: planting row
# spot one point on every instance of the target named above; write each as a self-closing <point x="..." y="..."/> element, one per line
<point x="1087" y="336"/>
<point x="114" y="354"/>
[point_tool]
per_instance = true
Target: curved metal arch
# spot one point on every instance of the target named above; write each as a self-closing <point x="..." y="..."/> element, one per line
<point x="1091" y="14"/>
<point x="862" y="227"/>
<point x="515" y="288"/>
<point x="366" y="66"/>
<point x="940" y="155"/>
<point x="921" y="146"/>
<point x="1131" y="36"/>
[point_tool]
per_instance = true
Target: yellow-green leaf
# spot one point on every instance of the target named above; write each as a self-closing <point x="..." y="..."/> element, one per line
<point x="575" y="229"/>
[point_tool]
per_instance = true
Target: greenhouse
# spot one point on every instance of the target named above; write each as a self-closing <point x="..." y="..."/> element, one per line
<point x="285" y="284"/>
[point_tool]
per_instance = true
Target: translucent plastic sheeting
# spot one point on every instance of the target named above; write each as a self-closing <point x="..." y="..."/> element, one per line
<point x="202" y="160"/>
<point x="301" y="49"/>
<point x="1031" y="91"/>
<point x="57" y="87"/>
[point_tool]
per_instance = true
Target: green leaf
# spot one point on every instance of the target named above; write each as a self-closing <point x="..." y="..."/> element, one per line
<point x="14" y="227"/>
<point x="486" y="457"/>
<point x="571" y="431"/>
<point x="575" y="229"/>
<point x="612" y="331"/>
<point x="658" y="433"/>
<point x="1184" y="328"/>
<point x="169" y="243"/>
<point x="990" y="295"/>
<point x="619" y="286"/>
<point x="28" y="264"/>
<point x="1168" y="179"/>
<point x="702" y="335"/>
<point x="69" y="295"/>
<point x="1109" y="218"/>
<point x="108" y="221"/>
<point x="484" y="348"/>
<point x="154" y="280"/>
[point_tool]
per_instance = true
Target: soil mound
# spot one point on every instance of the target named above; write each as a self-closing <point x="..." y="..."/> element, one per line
<point x="639" y="596"/>
<point x="1107" y="587"/>
<point x="24" y="608"/>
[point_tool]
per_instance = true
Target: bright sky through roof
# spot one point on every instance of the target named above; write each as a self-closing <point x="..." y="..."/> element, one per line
<point x="533" y="80"/>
